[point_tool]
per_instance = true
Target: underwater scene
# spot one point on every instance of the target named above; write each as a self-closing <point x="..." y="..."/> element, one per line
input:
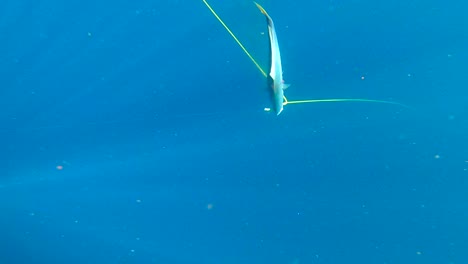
<point x="234" y="132"/>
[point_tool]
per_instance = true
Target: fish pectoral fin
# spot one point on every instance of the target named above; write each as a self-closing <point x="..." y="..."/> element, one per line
<point x="286" y="86"/>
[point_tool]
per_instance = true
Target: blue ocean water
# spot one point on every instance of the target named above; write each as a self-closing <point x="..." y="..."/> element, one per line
<point x="134" y="132"/>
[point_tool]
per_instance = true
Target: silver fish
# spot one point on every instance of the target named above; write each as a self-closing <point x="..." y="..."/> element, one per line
<point x="275" y="78"/>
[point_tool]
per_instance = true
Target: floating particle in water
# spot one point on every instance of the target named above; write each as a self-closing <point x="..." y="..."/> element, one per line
<point x="59" y="167"/>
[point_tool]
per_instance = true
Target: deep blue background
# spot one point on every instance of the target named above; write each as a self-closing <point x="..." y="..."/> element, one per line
<point x="156" y="117"/>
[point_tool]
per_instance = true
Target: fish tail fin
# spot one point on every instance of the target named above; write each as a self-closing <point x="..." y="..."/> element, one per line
<point x="261" y="9"/>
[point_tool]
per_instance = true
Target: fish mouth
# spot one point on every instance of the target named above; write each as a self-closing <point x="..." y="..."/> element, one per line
<point x="277" y="102"/>
<point x="279" y="107"/>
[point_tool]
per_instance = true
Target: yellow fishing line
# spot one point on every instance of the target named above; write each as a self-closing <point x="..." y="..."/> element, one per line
<point x="235" y="38"/>
<point x="286" y="102"/>
<point x="341" y="100"/>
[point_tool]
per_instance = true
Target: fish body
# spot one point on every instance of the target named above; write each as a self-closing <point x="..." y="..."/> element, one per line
<point x="275" y="80"/>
